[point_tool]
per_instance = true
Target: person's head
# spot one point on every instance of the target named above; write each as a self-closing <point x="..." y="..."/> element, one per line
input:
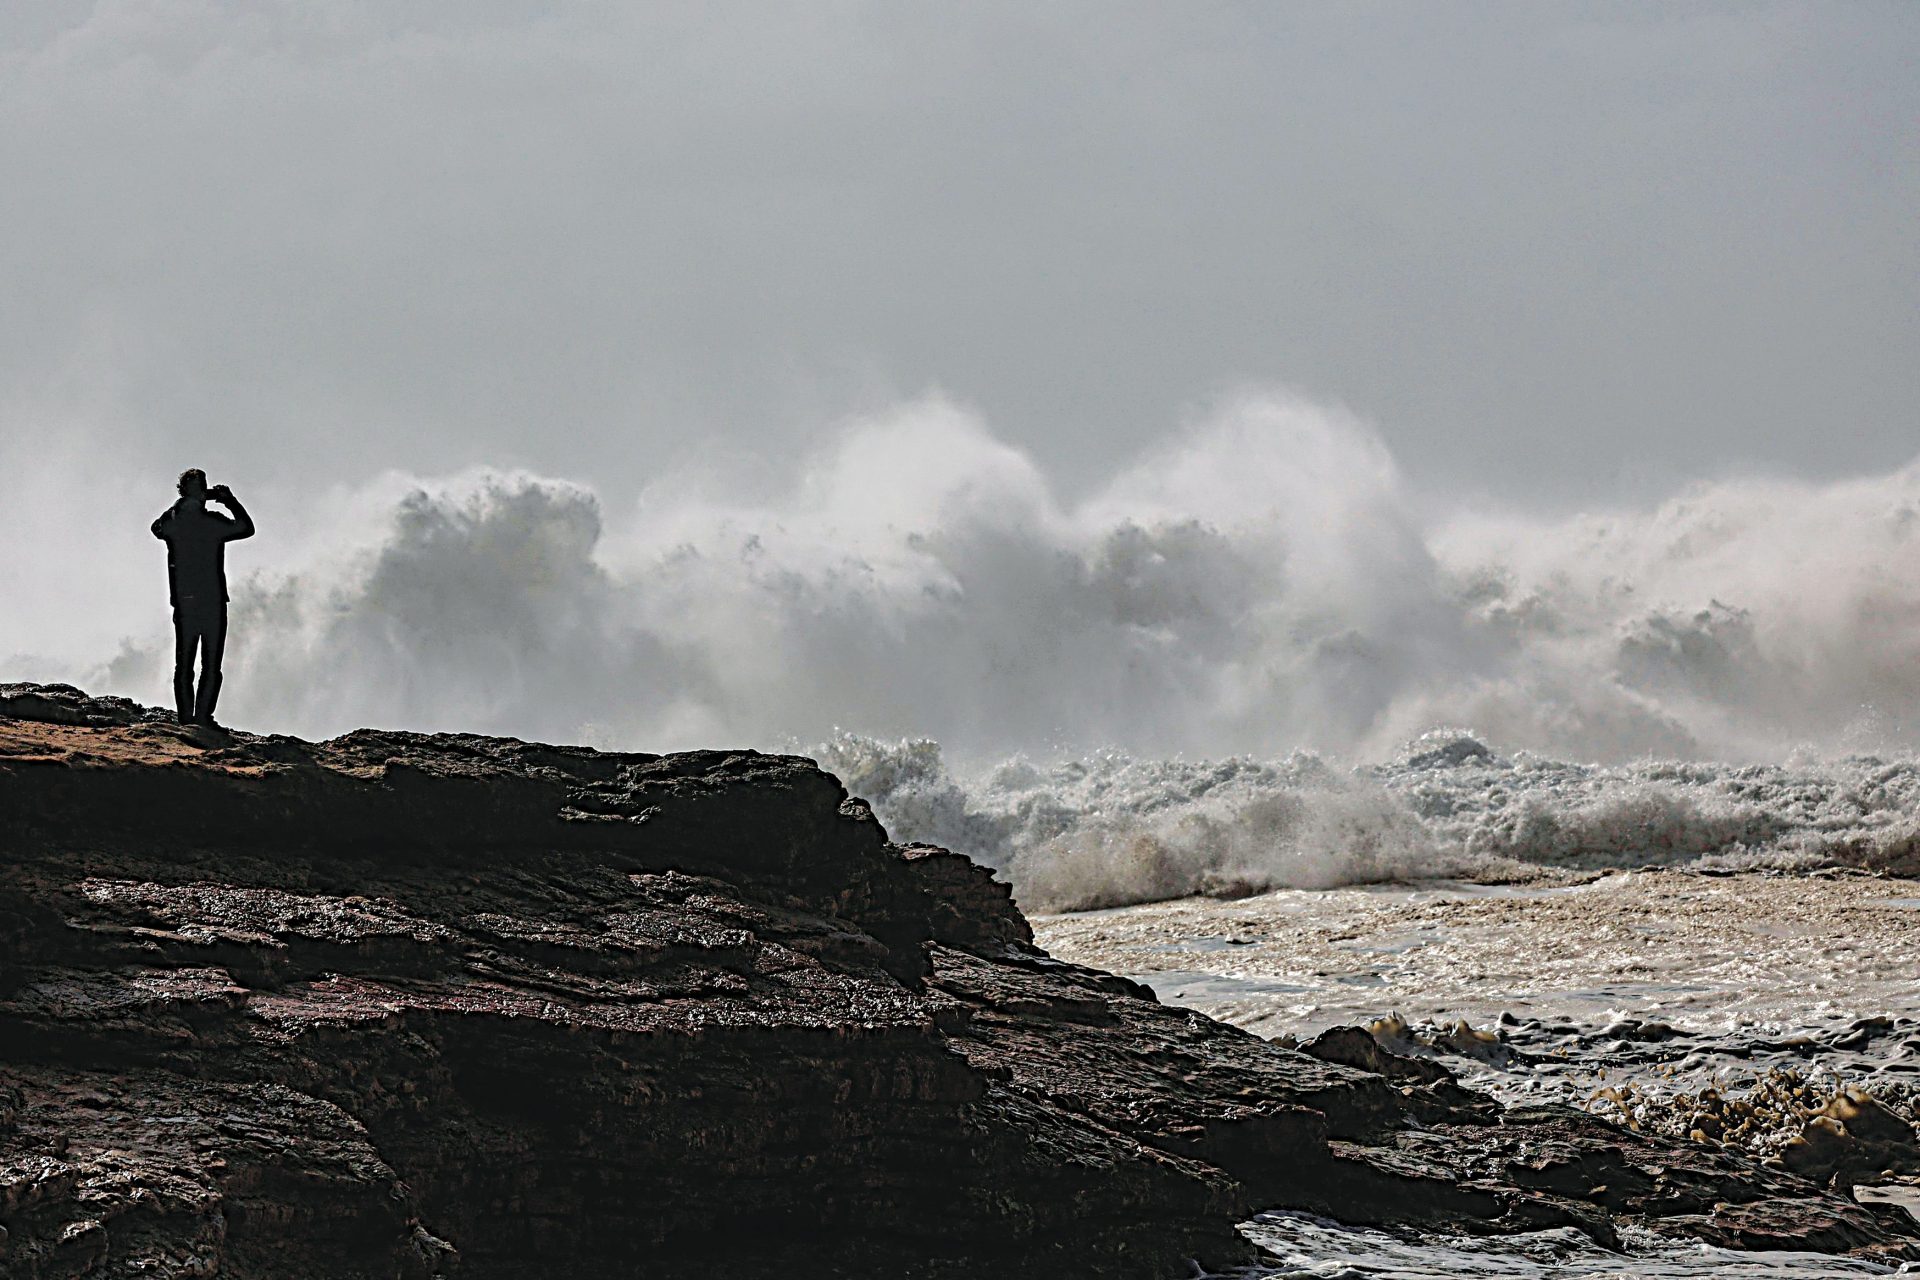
<point x="193" y="484"/>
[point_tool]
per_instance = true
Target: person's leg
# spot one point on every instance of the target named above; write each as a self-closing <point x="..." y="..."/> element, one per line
<point x="185" y="640"/>
<point x="213" y="645"/>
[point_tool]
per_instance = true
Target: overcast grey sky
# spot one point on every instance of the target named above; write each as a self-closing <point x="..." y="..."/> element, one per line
<point x="1559" y="254"/>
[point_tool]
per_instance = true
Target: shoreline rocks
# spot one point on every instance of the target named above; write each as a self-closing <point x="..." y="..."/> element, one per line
<point x="414" y="1005"/>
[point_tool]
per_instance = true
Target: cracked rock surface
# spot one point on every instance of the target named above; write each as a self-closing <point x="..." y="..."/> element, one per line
<point x="404" y="1005"/>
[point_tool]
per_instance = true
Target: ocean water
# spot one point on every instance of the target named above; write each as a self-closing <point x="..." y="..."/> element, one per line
<point x="1629" y="939"/>
<point x="1638" y="994"/>
<point x="1316" y="1249"/>
<point x="1649" y="940"/>
<point x="1110" y="829"/>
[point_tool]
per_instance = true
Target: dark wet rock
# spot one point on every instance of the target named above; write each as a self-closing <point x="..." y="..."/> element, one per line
<point x="966" y="905"/>
<point x="1820" y="1227"/>
<point x="1867" y="1119"/>
<point x="415" y="1005"/>
<point x="64" y="704"/>
<point x="1853" y="1135"/>
<point x="1357" y="1047"/>
<point x="1635" y="1029"/>
<point x="1444" y="750"/>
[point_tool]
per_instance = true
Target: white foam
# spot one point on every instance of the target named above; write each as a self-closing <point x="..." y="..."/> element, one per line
<point x="1108" y="829"/>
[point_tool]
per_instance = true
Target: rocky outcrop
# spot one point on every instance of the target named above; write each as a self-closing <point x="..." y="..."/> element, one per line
<point x="417" y="1005"/>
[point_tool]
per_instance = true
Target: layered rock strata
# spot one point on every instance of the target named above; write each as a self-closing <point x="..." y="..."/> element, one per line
<point x="416" y="1005"/>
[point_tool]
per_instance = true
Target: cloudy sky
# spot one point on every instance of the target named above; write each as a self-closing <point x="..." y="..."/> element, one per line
<point x="1556" y="254"/>
<point x="1196" y="376"/>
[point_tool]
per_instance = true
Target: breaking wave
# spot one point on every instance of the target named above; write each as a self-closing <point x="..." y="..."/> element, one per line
<point x="1110" y="830"/>
<point x="1263" y="583"/>
<point x="1263" y="594"/>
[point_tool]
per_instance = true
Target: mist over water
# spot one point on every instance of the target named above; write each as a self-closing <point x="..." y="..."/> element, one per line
<point x="1264" y="584"/>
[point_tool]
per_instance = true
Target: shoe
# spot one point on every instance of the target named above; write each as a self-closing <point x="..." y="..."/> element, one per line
<point x="208" y="722"/>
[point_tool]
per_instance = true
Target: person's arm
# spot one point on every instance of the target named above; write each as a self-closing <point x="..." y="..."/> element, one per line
<point x="163" y="523"/>
<point x="242" y="526"/>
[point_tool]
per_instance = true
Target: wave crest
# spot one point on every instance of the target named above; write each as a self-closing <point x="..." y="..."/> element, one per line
<point x="1265" y="582"/>
<point x="1110" y="830"/>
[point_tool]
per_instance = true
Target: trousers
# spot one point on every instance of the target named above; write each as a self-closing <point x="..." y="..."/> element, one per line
<point x="198" y="626"/>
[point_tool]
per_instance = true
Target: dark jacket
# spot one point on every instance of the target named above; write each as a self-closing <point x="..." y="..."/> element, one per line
<point x="197" y="541"/>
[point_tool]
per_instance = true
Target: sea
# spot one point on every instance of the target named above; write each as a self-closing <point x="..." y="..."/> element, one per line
<point x="1655" y="942"/>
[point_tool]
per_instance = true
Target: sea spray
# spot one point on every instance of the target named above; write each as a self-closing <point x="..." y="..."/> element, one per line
<point x="1262" y="582"/>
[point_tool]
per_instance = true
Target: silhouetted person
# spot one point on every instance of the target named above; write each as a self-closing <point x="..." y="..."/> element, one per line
<point x="197" y="541"/>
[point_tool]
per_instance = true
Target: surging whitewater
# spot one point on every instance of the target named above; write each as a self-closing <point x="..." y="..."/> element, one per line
<point x="1111" y="830"/>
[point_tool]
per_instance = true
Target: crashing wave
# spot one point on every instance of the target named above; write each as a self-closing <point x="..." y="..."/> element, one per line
<point x="1109" y="829"/>
<point x="1265" y="581"/>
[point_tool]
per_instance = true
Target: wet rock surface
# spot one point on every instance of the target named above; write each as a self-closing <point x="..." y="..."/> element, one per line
<point x="416" y="1005"/>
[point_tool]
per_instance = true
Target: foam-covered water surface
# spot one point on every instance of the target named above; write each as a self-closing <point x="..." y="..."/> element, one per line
<point x="1745" y="1009"/>
<point x="1709" y="954"/>
<point x="1310" y="1247"/>
<point x="1111" y="829"/>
